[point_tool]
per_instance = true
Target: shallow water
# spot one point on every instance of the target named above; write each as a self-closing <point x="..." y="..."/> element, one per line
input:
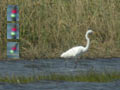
<point x="27" y="67"/>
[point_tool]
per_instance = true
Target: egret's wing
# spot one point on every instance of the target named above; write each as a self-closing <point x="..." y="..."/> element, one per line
<point x="73" y="52"/>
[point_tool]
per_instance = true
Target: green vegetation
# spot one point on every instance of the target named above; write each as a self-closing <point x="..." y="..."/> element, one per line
<point x="86" y="77"/>
<point x="49" y="27"/>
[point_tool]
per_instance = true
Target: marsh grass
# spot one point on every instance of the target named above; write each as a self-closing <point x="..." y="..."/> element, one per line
<point x="49" y="27"/>
<point x="82" y="77"/>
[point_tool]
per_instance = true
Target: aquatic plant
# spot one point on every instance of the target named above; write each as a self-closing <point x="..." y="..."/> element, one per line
<point x="82" y="77"/>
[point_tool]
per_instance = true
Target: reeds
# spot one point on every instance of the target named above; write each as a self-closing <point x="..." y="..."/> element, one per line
<point x="49" y="27"/>
<point x="82" y="77"/>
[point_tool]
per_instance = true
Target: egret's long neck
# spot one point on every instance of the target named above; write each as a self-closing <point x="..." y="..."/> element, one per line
<point x="88" y="42"/>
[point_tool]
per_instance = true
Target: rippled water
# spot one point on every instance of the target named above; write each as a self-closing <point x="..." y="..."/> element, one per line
<point x="27" y="67"/>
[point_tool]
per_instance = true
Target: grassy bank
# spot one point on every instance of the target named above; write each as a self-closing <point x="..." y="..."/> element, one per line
<point x="86" y="77"/>
<point x="49" y="27"/>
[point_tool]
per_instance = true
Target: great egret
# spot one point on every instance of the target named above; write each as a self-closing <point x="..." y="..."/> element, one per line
<point x="75" y="52"/>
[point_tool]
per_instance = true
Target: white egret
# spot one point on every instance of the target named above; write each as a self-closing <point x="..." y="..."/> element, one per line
<point x="75" y="52"/>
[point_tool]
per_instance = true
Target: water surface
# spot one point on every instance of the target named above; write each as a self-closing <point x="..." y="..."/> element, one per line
<point x="61" y="66"/>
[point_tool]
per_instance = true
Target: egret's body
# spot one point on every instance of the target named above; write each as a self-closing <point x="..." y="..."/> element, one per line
<point x="75" y="52"/>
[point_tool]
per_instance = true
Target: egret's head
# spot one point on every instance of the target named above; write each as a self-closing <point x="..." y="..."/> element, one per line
<point x="89" y="31"/>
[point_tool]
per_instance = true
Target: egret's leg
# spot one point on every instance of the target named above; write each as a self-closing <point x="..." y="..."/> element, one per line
<point x="65" y="63"/>
<point x="76" y="61"/>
